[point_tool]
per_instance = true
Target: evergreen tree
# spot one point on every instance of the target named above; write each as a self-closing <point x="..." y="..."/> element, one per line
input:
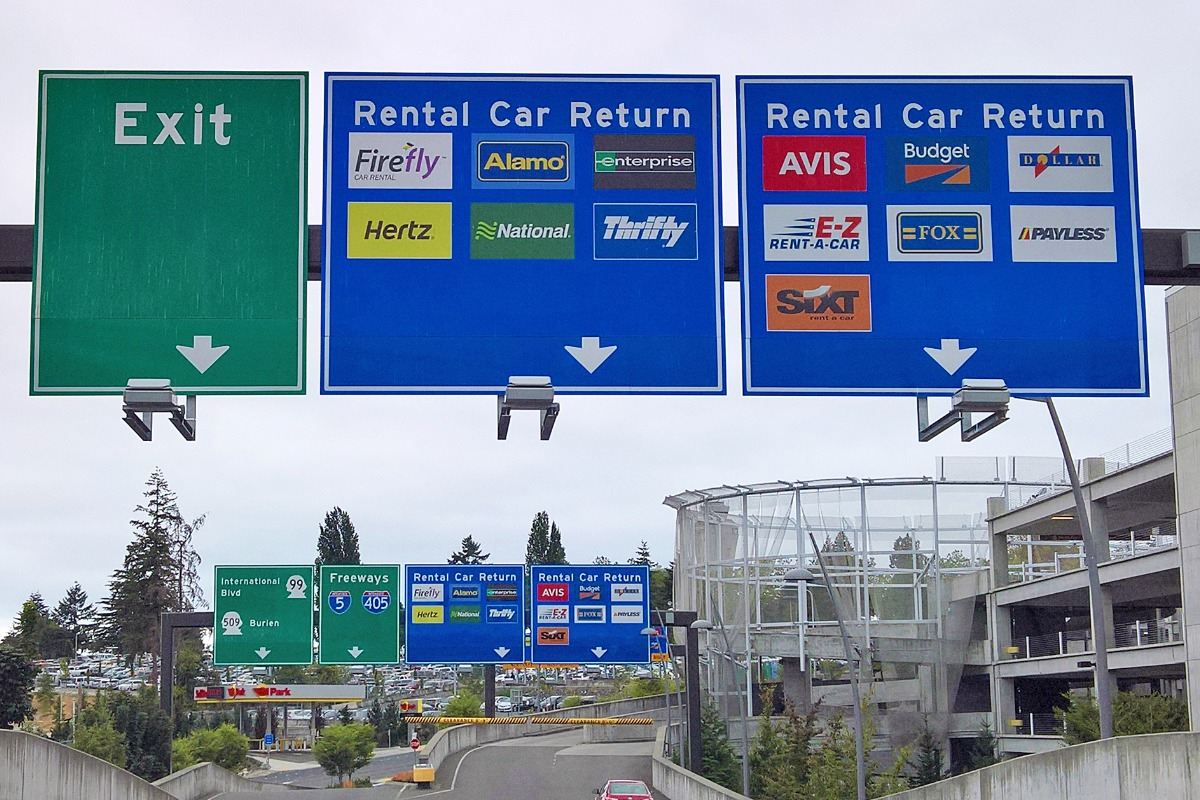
<point x="642" y="556"/>
<point x="603" y="561"/>
<point x="662" y="588"/>
<point x="779" y="755"/>
<point x="188" y="591"/>
<point x="537" y="547"/>
<point x="930" y="766"/>
<point x="36" y="634"/>
<point x="337" y="541"/>
<point x="147" y="583"/>
<point x="17" y="677"/>
<point x="718" y="762"/>
<point x="555" y="552"/>
<point x="471" y="553"/>
<point x="75" y="615"/>
<point x="983" y="749"/>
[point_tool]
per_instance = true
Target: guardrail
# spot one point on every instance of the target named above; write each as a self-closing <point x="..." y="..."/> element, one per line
<point x="528" y="720"/>
<point x="1127" y="635"/>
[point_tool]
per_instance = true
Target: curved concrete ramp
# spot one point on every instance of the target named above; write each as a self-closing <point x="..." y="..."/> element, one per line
<point x="35" y="768"/>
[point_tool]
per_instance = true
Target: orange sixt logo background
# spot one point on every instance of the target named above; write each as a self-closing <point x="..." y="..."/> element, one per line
<point x="818" y="302"/>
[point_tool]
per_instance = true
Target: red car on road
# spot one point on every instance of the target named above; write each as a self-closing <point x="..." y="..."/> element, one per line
<point x="624" y="790"/>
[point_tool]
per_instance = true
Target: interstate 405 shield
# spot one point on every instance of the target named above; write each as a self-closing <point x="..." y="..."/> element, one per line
<point x="902" y="235"/>
<point x="483" y="226"/>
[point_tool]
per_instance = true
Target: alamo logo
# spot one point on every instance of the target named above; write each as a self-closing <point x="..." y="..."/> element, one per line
<point x="644" y="162"/>
<point x="523" y="162"/>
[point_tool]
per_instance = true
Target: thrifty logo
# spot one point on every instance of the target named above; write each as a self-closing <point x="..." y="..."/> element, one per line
<point x="639" y="231"/>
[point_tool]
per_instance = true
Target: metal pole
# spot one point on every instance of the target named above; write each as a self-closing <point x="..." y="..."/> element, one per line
<point x="859" y="755"/>
<point x="691" y="668"/>
<point x="1103" y="679"/>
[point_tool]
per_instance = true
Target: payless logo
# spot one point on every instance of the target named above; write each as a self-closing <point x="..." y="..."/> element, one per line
<point x="398" y="230"/>
<point x="1060" y="164"/>
<point x="935" y="164"/>
<point x="427" y="592"/>
<point x="464" y="614"/>
<point x="646" y="161"/>
<point x="943" y="233"/>
<point x="642" y="231"/>
<point x="814" y="163"/>
<point x="815" y="233"/>
<point x="553" y="636"/>
<point x="631" y="615"/>
<point x="1063" y="233"/>
<point x="553" y="592"/>
<point x="818" y="302"/>
<point x="523" y="230"/>
<point x="427" y="615"/>
<point x="401" y="161"/>
<point x="523" y="162"/>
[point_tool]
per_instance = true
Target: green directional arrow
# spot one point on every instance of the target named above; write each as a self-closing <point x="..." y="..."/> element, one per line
<point x="359" y="614"/>
<point x="262" y="615"/>
<point x="170" y="232"/>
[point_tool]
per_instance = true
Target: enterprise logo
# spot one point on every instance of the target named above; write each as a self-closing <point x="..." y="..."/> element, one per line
<point x="1063" y="233"/>
<point x="643" y="231"/>
<point x="644" y="162"/>
<point x="935" y="164"/>
<point x="815" y="233"/>
<point x="945" y="233"/>
<point x="501" y="592"/>
<point x="523" y="162"/>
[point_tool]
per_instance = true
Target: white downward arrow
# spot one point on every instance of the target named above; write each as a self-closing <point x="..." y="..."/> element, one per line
<point x="949" y="356"/>
<point x="598" y="652"/>
<point x="356" y="651"/>
<point x="202" y="354"/>
<point x="589" y="353"/>
<point x="262" y="652"/>
<point x="501" y="651"/>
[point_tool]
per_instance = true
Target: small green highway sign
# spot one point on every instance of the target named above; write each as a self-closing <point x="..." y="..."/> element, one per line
<point x="170" y="236"/>
<point x="262" y="615"/>
<point x="359" y="614"/>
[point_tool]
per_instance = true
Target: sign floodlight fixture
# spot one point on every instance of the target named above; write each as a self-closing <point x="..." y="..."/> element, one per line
<point x="145" y="397"/>
<point x="527" y="393"/>
<point x="977" y="396"/>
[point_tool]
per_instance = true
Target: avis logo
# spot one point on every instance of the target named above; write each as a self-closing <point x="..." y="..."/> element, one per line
<point x="553" y="592"/>
<point x="814" y="163"/>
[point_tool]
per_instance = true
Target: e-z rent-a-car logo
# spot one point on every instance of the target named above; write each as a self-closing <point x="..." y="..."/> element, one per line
<point x="814" y="163"/>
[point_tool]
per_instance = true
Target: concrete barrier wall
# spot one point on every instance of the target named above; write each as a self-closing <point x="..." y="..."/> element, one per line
<point x="35" y="768"/>
<point x="206" y="780"/>
<point x="677" y="783"/>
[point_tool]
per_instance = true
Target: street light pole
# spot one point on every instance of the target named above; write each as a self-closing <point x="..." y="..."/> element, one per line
<point x="800" y="576"/>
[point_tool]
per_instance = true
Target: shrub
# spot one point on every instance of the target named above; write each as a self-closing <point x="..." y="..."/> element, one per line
<point x="223" y="746"/>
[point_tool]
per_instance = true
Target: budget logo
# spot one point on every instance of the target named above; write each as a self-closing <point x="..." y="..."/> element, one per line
<point x="646" y="161"/>
<point x="814" y="163"/>
<point x="1060" y="164"/>
<point x="626" y="593"/>
<point x="501" y="592"/>
<point x="589" y="592"/>
<point x="936" y="164"/>
<point x="558" y="614"/>
<point x="523" y="162"/>
<point x="815" y="233"/>
<point x="1063" y="233"/>
<point x="464" y="614"/>
<point x="818" y="302"/>
<point x="427" y="615"/>
<point x="554" y="635"/>
<point x="502" y="614"/>
<point x="401" y="161"/>
<point x="631" y="615"/>
<point x="939" y="233"/>
<point x="553" y="592"/>
<point x="464" y="592"/>
<point x="589" y="614"/>
<point x="523" y="230"/>
<point x="398" y="230"/>
<point x="644" y="231"/>
<point x="427" y="592"/>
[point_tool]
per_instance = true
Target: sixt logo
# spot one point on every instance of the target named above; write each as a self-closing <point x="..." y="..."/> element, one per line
<point x="923" y="164"/>
<point x="635" y="231"/>
<point x="528" y="161"/>
<point x="427" y="592"/>
<point x="814" y="163"/>
<point x="818" y="302"/>
<point x="589" y="592"/>
<point x="815" y="233"/>
<point x="501" y="614"/>
<point x="401" y="161"/>
<point x="464" y="592"/>
<point x="554" y="635"/>
<point x="948" y="233"/>
<point x="589" y="614"/>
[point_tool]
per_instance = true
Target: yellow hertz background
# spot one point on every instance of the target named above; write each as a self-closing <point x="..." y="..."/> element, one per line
<point x="398" y="230"/>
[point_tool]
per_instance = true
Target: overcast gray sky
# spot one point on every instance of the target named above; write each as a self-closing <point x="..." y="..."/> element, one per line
<point x="417" y="474"/>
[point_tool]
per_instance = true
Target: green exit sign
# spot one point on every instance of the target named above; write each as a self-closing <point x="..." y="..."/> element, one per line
<point x="170" y="232"/>
<point x="262" y="615"/>
<point x="359" y="614"/>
